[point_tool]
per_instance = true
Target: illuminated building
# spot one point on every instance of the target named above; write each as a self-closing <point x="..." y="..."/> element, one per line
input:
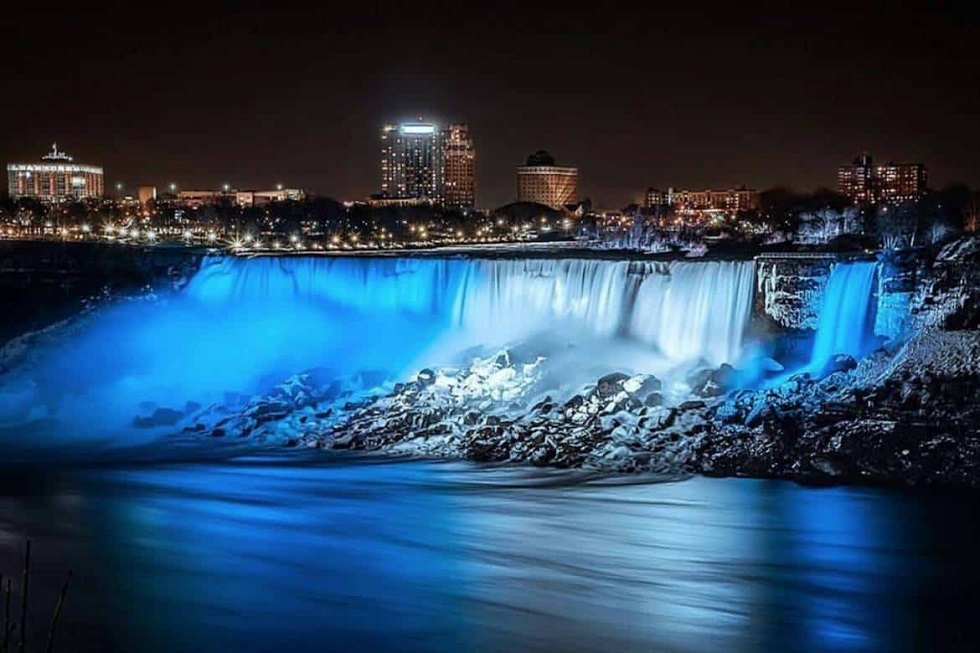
<point x="541" y="181"/>
<point x="731" y="199"/>
<point x="194" y="198"/>
<point x="146" y="194"/>
<point x="458" y="158"/>
<point x="56" y="178"/>
<point x="411" y="162"/>
<point x="863" y="181"/>
<point x="655" y="197"/>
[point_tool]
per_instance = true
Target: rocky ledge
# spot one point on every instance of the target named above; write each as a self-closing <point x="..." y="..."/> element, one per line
<point x="906" y="416"/>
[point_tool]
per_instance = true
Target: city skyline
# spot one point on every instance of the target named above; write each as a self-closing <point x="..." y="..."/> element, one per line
<point x="634" y="100"/>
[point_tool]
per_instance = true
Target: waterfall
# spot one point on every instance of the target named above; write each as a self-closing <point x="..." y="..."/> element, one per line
<point x="244" y="324"/>
<point x="687" y="311"/>
<point x="844" y="312"/>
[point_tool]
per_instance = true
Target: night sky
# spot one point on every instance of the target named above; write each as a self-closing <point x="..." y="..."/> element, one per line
<point x="255" y="94"/>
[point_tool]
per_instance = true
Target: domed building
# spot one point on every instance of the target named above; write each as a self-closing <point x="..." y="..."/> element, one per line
<point x="55" y="178"/>
<point x="540" y="180"/>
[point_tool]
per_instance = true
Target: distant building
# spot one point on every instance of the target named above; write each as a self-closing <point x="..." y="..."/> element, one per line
<point x="201" y="197"/>
<point x="731" y="199"/>
<point x="146" y="194"/>
<point x="655" y="197"/>
<point x="411" y="162"/>
<point x="541" y="181"/>
<point x="863" y="181"/>
<point x="55" y="178"/>
<point x="458" y="160"/>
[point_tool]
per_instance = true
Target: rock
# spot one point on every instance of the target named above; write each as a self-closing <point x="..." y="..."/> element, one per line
<point x="654" y="399"/>
<point x="838" y="363"/>
<point x="611" y="384"/>
<point x="758" y="413"/>
<point x="691" y="405"/>
<point x="575" y="402"/>
<point x="713" y="383"/>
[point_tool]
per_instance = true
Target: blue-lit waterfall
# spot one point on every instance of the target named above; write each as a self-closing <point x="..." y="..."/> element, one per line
<point x="844" y="313"/>
<point x="687" y="311"/>
<point x="242" y="324"/>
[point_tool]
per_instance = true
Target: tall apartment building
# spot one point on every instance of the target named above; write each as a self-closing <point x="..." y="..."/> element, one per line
<point x="411" y="162"/>
<point x="55" y="178"/>
<point x="459" y="167"/>
<point x="542" y="181"/>
<point x="863" y="181"/>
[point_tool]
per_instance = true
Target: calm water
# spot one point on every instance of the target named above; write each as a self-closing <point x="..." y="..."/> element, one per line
<point x="299" y="553"/>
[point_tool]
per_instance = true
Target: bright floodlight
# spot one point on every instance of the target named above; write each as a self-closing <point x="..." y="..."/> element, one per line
<point x="418" y="129"/>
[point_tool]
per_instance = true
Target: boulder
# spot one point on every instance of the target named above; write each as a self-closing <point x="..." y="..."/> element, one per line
<point x="838" y="363"/>
<point x="611" y="384"/>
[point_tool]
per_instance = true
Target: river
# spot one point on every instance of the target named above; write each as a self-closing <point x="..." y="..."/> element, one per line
<point x="311" y="552"/>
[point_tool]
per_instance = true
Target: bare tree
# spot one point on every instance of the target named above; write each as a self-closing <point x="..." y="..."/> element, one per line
<point x="971" y="213"/>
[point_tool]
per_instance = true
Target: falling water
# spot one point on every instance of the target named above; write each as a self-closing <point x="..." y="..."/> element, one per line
<point x="843" y="318"/>
<point x="688" y="311"/>
<point x="243" y="324"/>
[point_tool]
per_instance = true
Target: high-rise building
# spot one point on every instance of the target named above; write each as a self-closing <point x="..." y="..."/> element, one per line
<point x="900" y="182"/>
<point x="541" y="181"/>
<point x="458" y="159"/>
<point x="55" y="178"/>
<point x="857" y="180"/>
<point x="863" y="181"/>
<point x="411" y="162"/>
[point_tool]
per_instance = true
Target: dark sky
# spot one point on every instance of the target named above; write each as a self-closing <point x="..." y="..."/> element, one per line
<point x="690" y="96"/>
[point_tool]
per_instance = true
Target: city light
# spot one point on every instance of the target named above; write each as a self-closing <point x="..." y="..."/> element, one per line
<point x="418" y="129"/>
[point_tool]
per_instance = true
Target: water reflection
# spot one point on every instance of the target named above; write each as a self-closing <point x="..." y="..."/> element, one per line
<point x="314" y="554"/>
